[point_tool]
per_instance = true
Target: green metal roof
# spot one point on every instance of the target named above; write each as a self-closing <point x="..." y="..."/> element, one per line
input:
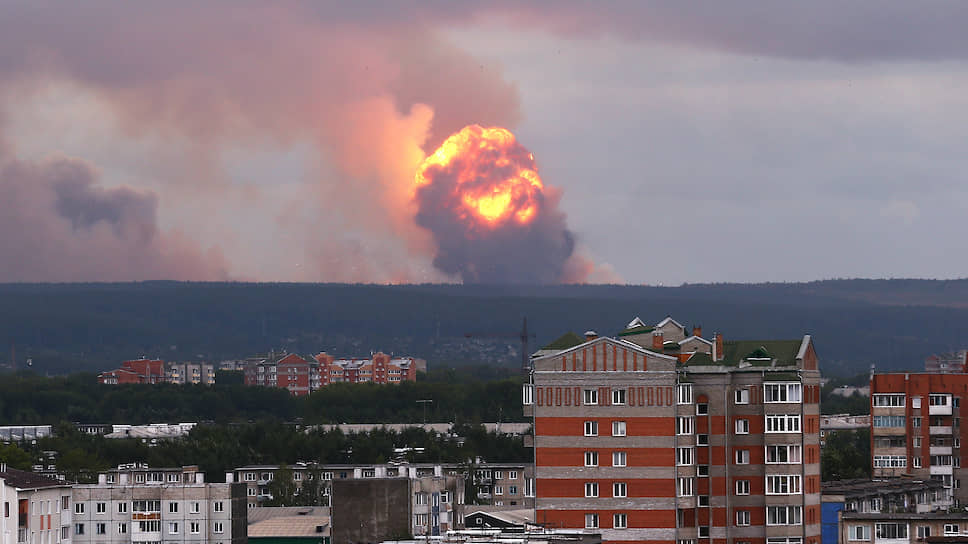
<point x="641" y="329"/>
<point x="784" y="351"/>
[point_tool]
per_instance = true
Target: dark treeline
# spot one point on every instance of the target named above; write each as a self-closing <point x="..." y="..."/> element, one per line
<point x="217" y="449"/>
<point x="457" y="397"/>
<point x="73" y="327"/>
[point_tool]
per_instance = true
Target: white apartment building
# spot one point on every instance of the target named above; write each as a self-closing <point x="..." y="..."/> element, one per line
<point x="36" y="509"/>
<point x="135" y="504"/>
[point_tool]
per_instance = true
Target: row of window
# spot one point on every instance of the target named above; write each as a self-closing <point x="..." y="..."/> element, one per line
<point x="896" y="400"/>
<point x="899" y="421"/>
<point x="591" y="428"/>
<point x="775" y="454"/>
<point x="775" y="423"/>
<point x="775" y="515"/>
<point x="148" y="526"/>
<point x="147" y="507"/>
<point x="772" y="393"/>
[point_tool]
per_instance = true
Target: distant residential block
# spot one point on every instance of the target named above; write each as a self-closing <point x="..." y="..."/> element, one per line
<point x="36" y="509"/>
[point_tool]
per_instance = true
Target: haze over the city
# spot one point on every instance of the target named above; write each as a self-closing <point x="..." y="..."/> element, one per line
<point x="678" y="142"/>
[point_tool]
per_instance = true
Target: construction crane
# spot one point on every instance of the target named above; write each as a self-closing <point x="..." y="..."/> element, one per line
<point x="523" y="335"/>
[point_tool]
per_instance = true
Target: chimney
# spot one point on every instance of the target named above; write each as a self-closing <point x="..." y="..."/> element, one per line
<point x="718" y="347"/>
<point x="697" y="330"/>
<point x="657" y="341"/>
<point x="590" y="335"/>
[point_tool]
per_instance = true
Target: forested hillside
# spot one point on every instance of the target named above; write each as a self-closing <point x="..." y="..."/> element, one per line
<point x="72" y="327"/>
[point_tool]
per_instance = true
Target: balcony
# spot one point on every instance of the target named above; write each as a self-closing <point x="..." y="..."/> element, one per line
<point x="942" y="470"/>
<point x="936" y="430"/>
<point x="940" y="450"/>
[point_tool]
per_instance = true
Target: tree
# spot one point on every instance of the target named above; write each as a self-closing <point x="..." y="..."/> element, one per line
<point x="846" y="455"/>
<point x="14" y="457"/>
<point x="282" y="488"/>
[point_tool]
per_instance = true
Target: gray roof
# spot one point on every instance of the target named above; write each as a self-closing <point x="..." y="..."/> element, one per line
<point x="28" y="480"/>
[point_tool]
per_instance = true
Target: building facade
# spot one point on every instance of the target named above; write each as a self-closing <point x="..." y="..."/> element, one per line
<point x="656" y="436"/>
<point x="916" y="428"/>
<point x="36" y="509"/>
<point x="136" y="504"/>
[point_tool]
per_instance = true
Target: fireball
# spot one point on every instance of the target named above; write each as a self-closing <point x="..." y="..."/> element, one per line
<point x="490" y="178"/>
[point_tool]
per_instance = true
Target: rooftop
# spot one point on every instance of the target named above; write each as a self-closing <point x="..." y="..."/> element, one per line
<point x="28" y="480"/>
<point x="863" y="487"/>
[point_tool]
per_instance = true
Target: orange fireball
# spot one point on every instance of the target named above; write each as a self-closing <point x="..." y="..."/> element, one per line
<point x="489" y="175"/>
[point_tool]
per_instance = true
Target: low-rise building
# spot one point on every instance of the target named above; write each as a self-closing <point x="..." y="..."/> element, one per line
<point x="139" y="504"/>
<point x="854" y="510"/>
<point x="842" y="422"/>
<point x="36" y="509"/>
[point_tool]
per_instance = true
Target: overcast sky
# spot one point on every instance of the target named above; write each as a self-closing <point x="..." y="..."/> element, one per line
<point x="690" y="141"/>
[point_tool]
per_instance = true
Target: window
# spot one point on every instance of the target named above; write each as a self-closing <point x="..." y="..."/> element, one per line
<point x="684" y="395"/>
<point x="101" y="528"/>
<point x="527" y="394"/>
<point x="250" y="476"/>
<point x="915" y="402"/>
<point x="685" y="456"/>
<point x="619" y="490"/>
<point x="147" y="506"/>
<point x="620" y="521"/>
<point x="742" y="457"/>
<point x="859" y="532"/>
<point x="65" y="502"/>
<point x="217" y="527"/>
<point x="916" y="462"/>
<point x="783" y="515"/>
<point x="889" y="421"/>
<point x="924" y="531"/>
<point x="512" y="490"/>
<point x="884" y="400"/>
<point x="122" y="528"/>
<point x="781" y="392"/>
<point x="783" y="423"/>
<point x="685" y="487"/>
<point x="512" y="475"/>
<point x="65" y="532"/>
<point x="591" y="489"/>
<point x="783" y="453"/>
<point x="421" y="520"/>
<point x="618" y="458"/>
<point x="742" y="426"/>
<point x="149" y="526"/>
<point x="251" y="491"/>
<point x="420" y="498"/>
<point x="195" y="507"/>
<point x="890" y="461"/>
<point x="591" y="458"/>
<point x="741" y="396"/>
<point x="100" y="507"/>
<point x="618" y="428"/>
<point x="742" y="518"/>
<point x="684" y="425"/>
<point x="702" y="470"/>
<point x="218" y="506"/>
<point x="891" y="530"/>
<point x="173" y="528"/>
<point x="702" y="439"/>
<point x="590" y="397"/>
<point x="951" y="529"/>
<point x="703" y="500"/>
<point x="618" y="397"/>
<point x="122" y="508"/>
<point x="785" y="484"/>
<point x="498" y="490"/>
<point x="937" y="400"/>
<point x="702" y="409"/>
<point x="194" y="527"/>
<point x="78" y="507"/>
<point x="742" y="487"/>
<point x="591" y="521"/>
<point x="704" y="531"/>
<point x="916" y="443"/>
<point x="916" y="422"/>
<point x="173" y="508"/>
<point x="78" y="528"/>
<point x="591" y="428"/>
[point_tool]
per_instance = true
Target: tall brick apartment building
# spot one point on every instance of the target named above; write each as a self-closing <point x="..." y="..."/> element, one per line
<point x="662" y="437"/>
<point x="916" y="428"/>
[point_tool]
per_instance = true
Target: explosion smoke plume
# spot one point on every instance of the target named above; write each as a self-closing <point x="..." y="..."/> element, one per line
<point x="493" y="220"/>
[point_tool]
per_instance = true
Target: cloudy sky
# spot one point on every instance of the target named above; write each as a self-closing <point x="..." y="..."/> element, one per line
<point x="686" y="141"/>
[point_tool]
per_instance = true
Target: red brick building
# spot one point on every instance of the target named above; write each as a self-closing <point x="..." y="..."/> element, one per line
<point x="916" y="428"/>
<point x="379" y="368"/>
<point x="136" y="371"/>
<point x="656" y="436"/>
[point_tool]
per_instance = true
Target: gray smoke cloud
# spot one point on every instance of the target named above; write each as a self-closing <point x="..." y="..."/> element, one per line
<point x="58" y="225"/>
